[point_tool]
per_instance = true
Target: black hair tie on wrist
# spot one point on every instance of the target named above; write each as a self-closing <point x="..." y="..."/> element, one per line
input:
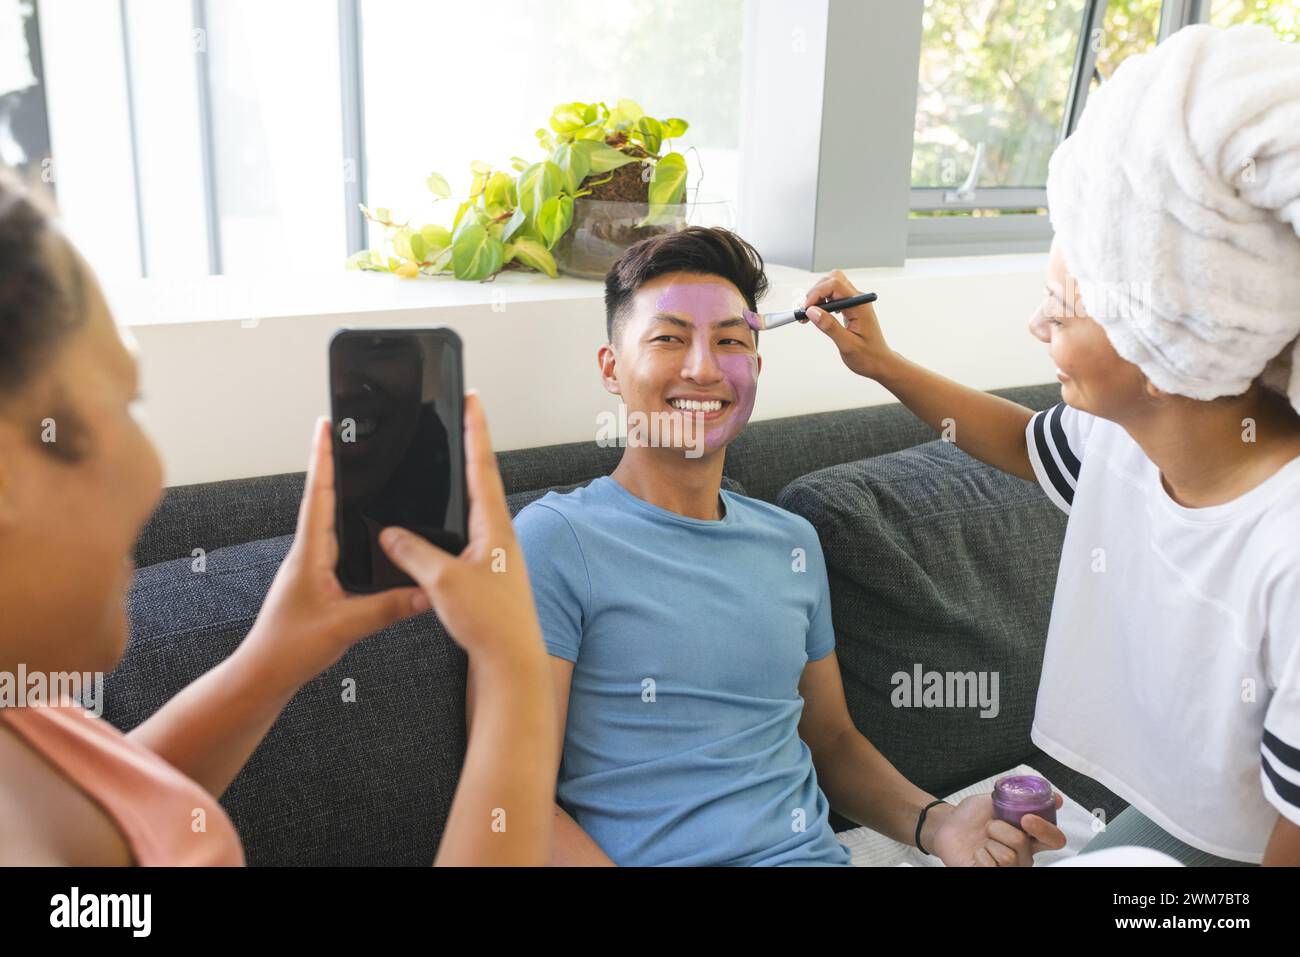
<point x="920" y="822"/>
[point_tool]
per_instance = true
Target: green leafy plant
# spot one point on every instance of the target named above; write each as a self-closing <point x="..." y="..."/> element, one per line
<point x="513" y="220"/>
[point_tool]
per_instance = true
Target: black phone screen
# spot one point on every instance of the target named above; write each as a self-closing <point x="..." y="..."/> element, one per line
<point x="397" y="406"/>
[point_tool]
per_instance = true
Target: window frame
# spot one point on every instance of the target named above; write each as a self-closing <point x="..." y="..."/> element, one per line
<point x="352" y="73"/>
<point x="926" y="198"/>
<point x="967" y="235"/>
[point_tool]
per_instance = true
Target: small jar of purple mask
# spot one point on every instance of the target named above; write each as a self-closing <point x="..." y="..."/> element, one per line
<point x="1019" y="794"/>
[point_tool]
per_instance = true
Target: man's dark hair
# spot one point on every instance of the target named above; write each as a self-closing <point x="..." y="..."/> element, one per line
<point x="705" y="251"/>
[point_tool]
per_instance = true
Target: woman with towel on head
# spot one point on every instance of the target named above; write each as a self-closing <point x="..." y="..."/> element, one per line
<point x="1172" y="668"/>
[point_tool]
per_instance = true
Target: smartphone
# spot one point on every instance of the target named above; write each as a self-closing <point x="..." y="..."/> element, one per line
<point x="397" y="407"/>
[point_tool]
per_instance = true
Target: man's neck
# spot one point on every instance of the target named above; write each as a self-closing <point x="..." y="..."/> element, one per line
<point x="1211" y="453"/>
<point x="666" y="478"/>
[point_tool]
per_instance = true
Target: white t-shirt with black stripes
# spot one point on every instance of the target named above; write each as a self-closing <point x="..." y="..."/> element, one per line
<point x="1172" y="668"/>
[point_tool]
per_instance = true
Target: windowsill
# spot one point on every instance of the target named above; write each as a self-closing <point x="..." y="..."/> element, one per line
<point x="202" y="299"/>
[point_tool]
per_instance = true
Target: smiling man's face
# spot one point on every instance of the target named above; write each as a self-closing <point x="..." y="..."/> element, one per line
<point x="685" y="348"/>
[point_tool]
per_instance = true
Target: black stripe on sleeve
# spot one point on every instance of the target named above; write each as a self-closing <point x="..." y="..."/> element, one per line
<point x="1285" y="753"/>
<point x="1062" y="443"/>
<point x="1049" y="463"/>
<point x="1285" y="789"/>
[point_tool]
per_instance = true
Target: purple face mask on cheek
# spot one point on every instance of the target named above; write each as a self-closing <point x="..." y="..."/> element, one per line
<point x="705" y="302"/>
<point x="741" y="373"/>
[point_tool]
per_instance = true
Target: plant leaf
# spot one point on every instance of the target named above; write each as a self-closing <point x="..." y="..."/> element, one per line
<point x="474" y="216"/>
<point x="625" y="114"/>
<point x="460" y="214"/>
<point x="475" y="254"/>
<point x="438" y="237"/>
<point x="532" y="254"/>
<point x="568" y="117"/>
<point x="667" y="186"/>
<point x="402" y="243"/>
<point x="496" y="194"/>
<point x="538" y="183"/>
<point x="605" y="158"/>
<point x="574" y="161"/>
<point x="554" y="218"/>
<point x="437" y="184"/>
<point x="514" y="222"/>
<point x="674" y="127"/>
<point x="668" y="181"/>
<point x="548" y="215"/>
<point x="366" y="260"/>
<point x="566" y="215"/>
<point x="652" y="133"/>
<point x="442" y="260"/>
<point x="477" y="184"/>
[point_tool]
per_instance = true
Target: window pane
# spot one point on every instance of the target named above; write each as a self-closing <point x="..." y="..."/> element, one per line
<point x="160" y="55"/>
<point x="446" y="84"/>
<point x="1283" y="16"/>
<point x="997" y="73"/>
<point x="277" y="134"/>
<point x="89" y="132"/>
<point x="1131" y="26"/>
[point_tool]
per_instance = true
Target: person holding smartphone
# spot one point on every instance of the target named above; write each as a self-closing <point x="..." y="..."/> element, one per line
<point x="78" y="480"/>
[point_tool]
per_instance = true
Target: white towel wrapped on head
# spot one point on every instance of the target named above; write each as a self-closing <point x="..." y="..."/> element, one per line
<point x="1176" y="205"/>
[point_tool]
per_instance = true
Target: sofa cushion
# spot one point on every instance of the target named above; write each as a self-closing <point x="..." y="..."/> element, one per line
<point x="368" y="781"/>
<point x="939" y="563"/>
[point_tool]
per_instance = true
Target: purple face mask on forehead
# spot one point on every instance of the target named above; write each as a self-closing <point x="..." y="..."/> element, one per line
<point x="703" y="303"/>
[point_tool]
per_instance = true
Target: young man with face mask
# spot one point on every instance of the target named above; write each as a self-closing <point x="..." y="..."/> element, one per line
<point x="702" y="716"/>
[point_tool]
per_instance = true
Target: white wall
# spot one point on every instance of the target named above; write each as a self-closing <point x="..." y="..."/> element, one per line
<point x="234" y="374"/>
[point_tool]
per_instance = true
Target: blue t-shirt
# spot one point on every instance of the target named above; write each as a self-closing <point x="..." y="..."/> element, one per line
<point x="688" y="639"/>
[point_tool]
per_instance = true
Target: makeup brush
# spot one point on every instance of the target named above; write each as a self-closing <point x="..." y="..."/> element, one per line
<point x="772" y="320"/>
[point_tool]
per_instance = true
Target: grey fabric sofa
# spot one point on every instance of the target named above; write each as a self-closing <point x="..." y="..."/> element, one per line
<point x="935" y="561"/>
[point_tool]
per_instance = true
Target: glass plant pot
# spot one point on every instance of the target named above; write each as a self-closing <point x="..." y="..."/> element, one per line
<point x="602" y="230"/>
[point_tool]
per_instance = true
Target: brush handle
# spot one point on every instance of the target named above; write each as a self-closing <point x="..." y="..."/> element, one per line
<point x="838" y="305"/>
<point x="773" y="320"/>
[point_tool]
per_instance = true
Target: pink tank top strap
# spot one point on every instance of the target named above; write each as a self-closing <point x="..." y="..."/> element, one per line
<point x="166" y="818"/>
